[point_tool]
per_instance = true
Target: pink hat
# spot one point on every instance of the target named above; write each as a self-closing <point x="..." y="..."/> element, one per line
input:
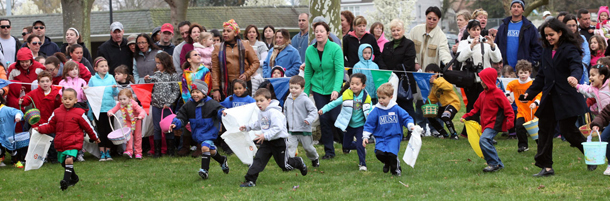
<point x="167" y="27"/>
<point x="601" y="10"/>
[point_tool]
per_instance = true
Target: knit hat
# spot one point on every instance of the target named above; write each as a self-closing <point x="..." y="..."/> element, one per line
<point x="155" y="31"/>
<point x="199" y="85"/>
<point x="282" y="70"/>
<point x="518" y="1"/>
<point x="601" y="10"/>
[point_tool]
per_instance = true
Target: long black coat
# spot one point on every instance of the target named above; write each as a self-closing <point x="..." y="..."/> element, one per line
<point x="552" y="81"/>
<point x="351" y="44"/>
<point x="394" y="59"/>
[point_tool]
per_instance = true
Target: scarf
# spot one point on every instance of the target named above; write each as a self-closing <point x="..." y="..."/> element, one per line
<point x="222" y="58"/>
<point x="276" y="50"/>
<point x="128" y="114"/>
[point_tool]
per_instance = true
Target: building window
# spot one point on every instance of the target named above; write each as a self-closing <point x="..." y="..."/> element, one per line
<point x="354" y="9"/>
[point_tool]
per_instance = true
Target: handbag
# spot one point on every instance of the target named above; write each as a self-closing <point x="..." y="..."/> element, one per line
<point x="404" y="94"/>
<point x="465" y="77"/>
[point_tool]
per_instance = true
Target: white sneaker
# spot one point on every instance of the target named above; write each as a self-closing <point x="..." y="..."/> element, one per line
<point x="2" y="164"/>
<point x="80" y="158"/>
<point x="362" y="168"/>
<point x="607" y="172"/>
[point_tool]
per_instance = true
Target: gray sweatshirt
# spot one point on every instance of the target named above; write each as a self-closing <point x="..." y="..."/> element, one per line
<point x="271" y="121"/>
<point x="299" y="110"/>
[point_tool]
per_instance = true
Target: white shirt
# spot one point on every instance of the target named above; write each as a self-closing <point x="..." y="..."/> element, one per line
<point x="8" y="49"/>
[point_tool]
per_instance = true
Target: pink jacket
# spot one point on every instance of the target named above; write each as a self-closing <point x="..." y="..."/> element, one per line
<point x="76" y="84"/>
<point x="206" y="54"/>
<point x="381" y="42"/>
<point x="137" y="110"/>
<point x="601" y="95"/>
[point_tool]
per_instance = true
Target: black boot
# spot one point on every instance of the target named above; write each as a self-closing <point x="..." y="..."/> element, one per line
<point x="171" y="146"/>
<point x="157" y="149"/>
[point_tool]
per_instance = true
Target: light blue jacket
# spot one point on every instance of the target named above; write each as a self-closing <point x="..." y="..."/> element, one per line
<point x="301" y="43"/>
<point x="349" y="116"/>
<point x="367" y="64"/>
<point x="586" y="56"/>
<point x="110" y="92"/>
<point x="7" y="125"/>
<point x="288" y="58"/>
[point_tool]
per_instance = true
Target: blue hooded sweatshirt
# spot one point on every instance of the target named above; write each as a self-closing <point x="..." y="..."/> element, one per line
<point x="367" y="64"/>
<point x="385" y="123"/>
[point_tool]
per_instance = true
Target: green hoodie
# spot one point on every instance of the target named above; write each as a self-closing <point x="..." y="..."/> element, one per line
<point x="324" y="77"/>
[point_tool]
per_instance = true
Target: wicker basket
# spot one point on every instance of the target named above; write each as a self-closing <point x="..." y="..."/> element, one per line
<point x="586" y="129"/>
<point x="430" y="110"/>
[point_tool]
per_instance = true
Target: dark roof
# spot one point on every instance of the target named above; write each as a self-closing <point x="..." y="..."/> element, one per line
<point x="137" y="21"/>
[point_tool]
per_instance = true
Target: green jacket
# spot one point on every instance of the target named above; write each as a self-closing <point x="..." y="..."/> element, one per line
<point x="324" y="77"/>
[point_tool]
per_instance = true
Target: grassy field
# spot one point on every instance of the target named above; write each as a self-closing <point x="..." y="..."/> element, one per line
<point x="445" y="169"/>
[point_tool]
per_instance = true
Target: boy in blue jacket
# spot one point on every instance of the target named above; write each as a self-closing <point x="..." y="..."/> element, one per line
<point x="385" y="122"/>
<point x="204" y="114"/>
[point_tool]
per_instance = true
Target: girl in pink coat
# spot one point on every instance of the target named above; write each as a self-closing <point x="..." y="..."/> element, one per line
<point x="72" y="80"/>
<point x="132" y="114"/>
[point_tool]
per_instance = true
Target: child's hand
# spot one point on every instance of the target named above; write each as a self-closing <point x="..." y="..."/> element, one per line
<point x="260" y="138"/>
<point x="242" y="128"/>
<point x="224" y="113"/>
<point x="36" y="129"/>
<point x="109" y="114"/>
<point x="364" y="141"/>
<point x="306" y="122"/>
<point x="573" y="81"/>
<point x="320" y="112"/>
<point x="98" y="141"/>
<point x="147" y="77"/>
<point x="533" y="106"/>
<point x="165" y="107"/>
<point x="595" y="128"/>
<point x="17" y="119"/>
<point x="172" y="127"/>
<point x="20" y="101"/>
<point x="85" y="87"/>
<point x="113" y="86"/>
<point x="411" y="128"/>
<point x="462" y="120"/>
<point x="590" y="31"/>
<point x="511" y="99"/>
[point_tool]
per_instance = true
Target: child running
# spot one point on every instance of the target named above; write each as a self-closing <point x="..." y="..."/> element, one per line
<point x="442" y="91"/>
<point x="496" y="116"/>
<point x="300" y="113"/>
<point x="356" y="106"/>
<point x="598" y="89"/>
<point x="385" y="122"/>
<point x="204" y="114"/>
<point x="68" y="123"/>
<point x="272" y="123"/>
<point x="525" y="111"/>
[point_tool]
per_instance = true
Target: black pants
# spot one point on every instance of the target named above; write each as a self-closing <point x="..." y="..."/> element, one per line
<point x="103" y="129"/>
<point x="522" y="134"/>
<point x="277" y="149"/>
<point x="447" y="119"/>
<point x="546" y="124"/>
<point x="472" y="94"/>
<point x="389" y="159"/>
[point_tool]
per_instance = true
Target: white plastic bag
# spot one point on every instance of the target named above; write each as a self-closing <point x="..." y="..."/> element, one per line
<point x="37" y="150"/>
<point x="394" y="81"/>
<point x="241" y="142"/>
<point x="242" y="145"/>
<point x="413" y="148"/>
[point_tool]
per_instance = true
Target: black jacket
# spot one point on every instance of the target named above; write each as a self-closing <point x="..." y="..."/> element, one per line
<point x="86" y="52"/>
<point x="552" y="81"/>
<point x="351" y="44"/>
<point x="394" y="59"/>
<point x="116" y="54"/>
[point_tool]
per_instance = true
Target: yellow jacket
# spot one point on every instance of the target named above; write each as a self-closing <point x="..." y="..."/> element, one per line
<point x="443" y="91"/>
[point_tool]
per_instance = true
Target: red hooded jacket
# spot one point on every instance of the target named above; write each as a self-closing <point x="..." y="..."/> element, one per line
<point x="46" y="104"/>
<point x="68" y="126"/>
<point x="496" y="112"/>
<point x="17" y="74"/>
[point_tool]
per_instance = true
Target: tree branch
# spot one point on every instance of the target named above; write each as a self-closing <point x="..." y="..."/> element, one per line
<point x="534" y="5"/>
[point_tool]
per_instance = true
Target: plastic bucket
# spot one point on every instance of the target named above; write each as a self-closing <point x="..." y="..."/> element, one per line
<point x="166" y="122"/>
<point x="595" y="152"/>
<point x="532" y="128"/>
<point x="119" y="136"/>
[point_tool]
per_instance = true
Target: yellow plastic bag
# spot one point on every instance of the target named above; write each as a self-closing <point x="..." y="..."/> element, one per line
<point x="474" y="131"/>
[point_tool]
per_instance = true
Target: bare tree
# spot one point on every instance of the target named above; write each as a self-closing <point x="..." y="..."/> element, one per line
<point x="329" y="9"/>
<point x="4" y="5"/>
<point x="178" y="9"/>
<point x="48" y="6"/>
<point x="77" y="14"/>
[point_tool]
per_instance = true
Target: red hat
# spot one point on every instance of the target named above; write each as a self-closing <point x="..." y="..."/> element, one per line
<point x="167" y="27"/>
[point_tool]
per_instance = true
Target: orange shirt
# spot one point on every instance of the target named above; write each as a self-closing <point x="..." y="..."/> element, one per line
<point x="523" y="109"/>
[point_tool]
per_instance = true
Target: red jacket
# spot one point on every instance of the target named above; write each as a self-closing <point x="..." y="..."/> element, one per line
<point x="496" y="112"/>
<point x="83" y="72"/>
<point x="68" y="126"/>
<point x="46" y="104"/>
<point x="17" y="74"/>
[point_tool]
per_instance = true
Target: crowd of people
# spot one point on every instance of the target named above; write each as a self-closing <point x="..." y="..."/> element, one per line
<point x="214" y="70"/>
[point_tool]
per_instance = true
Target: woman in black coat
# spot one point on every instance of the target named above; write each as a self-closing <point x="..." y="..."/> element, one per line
<point x="352" y="41"/>
<point x="399" y="53"/>
<point x="561" y="104"/>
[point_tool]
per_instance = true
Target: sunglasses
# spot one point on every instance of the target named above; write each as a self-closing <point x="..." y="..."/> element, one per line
<point x="5" y="26"/>
<point x="36" y="43"/>
<point x="38" y="27"/>
<point x="24" y="33"/>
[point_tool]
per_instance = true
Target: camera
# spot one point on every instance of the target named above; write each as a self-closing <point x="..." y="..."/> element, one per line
<point x="482" y="40"/>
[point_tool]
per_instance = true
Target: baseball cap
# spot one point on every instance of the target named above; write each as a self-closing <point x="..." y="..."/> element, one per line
<point x="167" y="27"/>
<point x="38" y="21"/>
<point x="131" y="39"/>
<point x="115" y="26"/>
<point x="545" y="13"/>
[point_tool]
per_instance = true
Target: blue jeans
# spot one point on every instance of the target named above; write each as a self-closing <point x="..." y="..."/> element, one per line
<point x="489" y="151"/>
<point x="605" y="137"/>
<point x="156" y="119"/>
<point x="349" y="144"/>
<point x="326" y="122"/>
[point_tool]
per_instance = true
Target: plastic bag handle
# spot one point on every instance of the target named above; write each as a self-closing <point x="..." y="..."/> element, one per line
<point x="170" y="110"/>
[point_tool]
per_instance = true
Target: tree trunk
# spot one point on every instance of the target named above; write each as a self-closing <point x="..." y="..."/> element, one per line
<point x="329" y="9"/>
<point x="178" y="9"/>
<point x="77" y="14"/>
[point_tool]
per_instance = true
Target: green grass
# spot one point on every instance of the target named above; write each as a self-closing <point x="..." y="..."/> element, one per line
<point x="445" y="169"/>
